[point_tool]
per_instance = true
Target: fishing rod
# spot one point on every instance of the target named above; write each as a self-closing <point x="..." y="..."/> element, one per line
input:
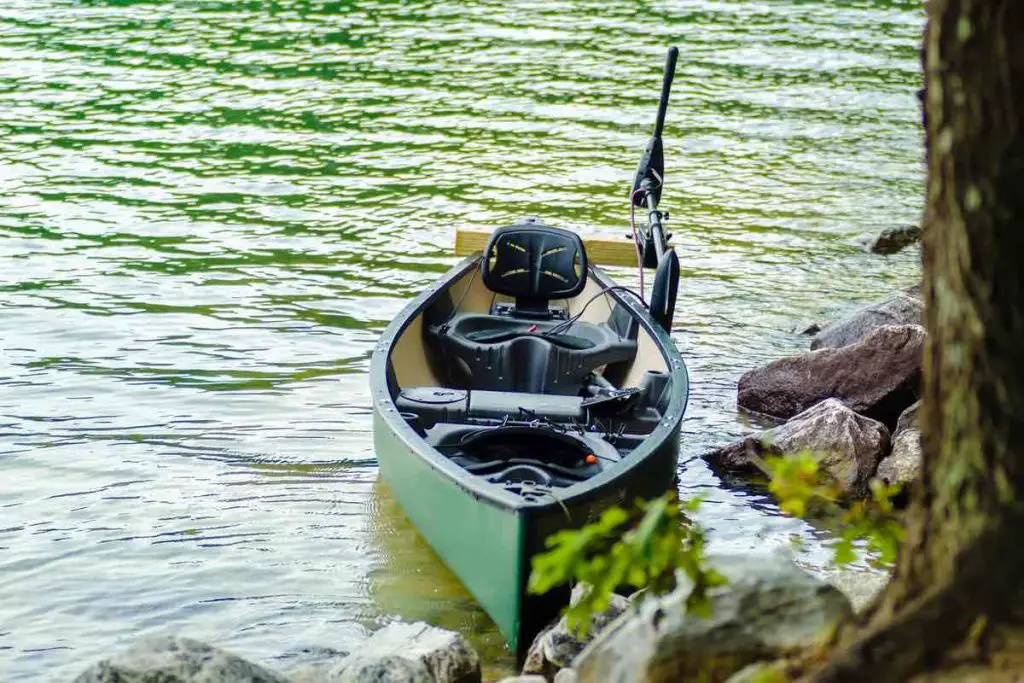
<point x="648" y="183"/>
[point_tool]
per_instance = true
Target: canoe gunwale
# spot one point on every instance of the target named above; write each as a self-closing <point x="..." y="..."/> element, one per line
<point x="384" y="406"/>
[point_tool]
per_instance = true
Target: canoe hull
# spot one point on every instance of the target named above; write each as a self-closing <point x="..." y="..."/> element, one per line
<point x="482" y="543"/>
<point x="489" y="546"/>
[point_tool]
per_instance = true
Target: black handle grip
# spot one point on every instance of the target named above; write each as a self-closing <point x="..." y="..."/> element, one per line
<point x="666" y="88"/>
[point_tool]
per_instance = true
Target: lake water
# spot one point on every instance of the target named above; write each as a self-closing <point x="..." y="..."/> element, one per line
<point x="210" y="209"/>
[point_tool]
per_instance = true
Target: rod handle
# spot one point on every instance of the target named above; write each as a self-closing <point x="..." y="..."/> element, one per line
<point x="666" y="88"/>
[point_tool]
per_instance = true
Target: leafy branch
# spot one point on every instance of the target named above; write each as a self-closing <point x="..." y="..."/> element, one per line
<point x="640" y="547"/>
<point x="803" y="489"/>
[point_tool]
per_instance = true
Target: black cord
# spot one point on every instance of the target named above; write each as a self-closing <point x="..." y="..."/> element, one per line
<point x="566" y="324"/>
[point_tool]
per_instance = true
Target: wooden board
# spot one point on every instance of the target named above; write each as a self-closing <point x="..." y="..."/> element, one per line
<point x="604" y="251"/>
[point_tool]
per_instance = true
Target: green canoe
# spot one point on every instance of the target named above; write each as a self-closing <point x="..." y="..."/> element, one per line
<point x="484" y="439"/>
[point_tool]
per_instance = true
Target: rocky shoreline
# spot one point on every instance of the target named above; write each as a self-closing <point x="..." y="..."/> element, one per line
<point x="769" y="608"/>
<point x="853" y="397"/>
<point x="399" y="652"/>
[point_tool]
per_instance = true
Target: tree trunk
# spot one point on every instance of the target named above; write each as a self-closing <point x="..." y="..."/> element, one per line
<point x="961" y="571"/>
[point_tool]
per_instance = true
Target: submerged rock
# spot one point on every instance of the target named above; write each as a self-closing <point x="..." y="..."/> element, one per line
<point x="850" y="445"/>
<point x="878" y="377"/>
<point x="172" y="659"/>
<point x="893" y="240"/>
<point x="899" y="309"/>
<point x="404" y="653"/>
<point x="903" y="464"/>
<point x="555" y="647"/>
<point x="769" y="608"/>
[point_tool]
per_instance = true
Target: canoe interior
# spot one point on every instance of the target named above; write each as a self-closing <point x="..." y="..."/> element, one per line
<point x="409" y="356"/>
<point x="517" y="411"/>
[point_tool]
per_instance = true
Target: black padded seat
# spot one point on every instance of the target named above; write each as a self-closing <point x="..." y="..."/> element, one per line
<point x="512" y="352"/>
<point x="509" y="357"/>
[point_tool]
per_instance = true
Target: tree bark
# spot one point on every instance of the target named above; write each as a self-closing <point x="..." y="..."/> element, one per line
<point x="961" y="570"/>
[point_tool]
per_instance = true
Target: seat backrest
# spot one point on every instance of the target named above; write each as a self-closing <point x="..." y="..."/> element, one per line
<point x="534" y="263"/>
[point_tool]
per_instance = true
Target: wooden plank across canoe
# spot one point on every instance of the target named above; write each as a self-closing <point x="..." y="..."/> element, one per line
<point x="603" y="251"/>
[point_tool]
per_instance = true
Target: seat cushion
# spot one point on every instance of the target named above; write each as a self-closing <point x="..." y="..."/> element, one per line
<point x="484" y="351"/>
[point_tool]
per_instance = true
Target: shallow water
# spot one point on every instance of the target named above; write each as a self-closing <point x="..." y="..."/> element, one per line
<point x="209" y="210"/>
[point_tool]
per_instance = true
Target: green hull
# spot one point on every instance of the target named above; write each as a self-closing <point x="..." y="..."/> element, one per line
<point x="489" y="545"/>
<point x="482" y="543"/>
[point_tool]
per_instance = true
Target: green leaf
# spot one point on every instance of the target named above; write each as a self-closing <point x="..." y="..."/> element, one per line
<point x="642" y="547"/>
<point x="843" y="552"/>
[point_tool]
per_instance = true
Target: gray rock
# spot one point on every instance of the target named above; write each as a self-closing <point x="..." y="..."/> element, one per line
<point x="909" y="418"/>
<point x="860" y="586"/>
<point x="555" y="647"/>
<point x="566" y="676"/>
<point x="380" y="669"/>
<point x="877" y="377"/>
<point x="446" y="656"/>
<point x="171" y="659"/>
<point x="903" y="464"/>
<point x="916" y="291"/>
<point x="899" y="309"/>
<point x="893" y="240"/>
<point x="309" y="673"/>
<point x="524" y="679"/>
<point x="769" y="608"/>
<point x="850" y="445"/>
<point x="311" y="663"/>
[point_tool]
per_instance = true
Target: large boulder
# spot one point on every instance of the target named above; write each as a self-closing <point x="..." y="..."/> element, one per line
<point x="172" y="659"/>
<point x="555" y="647"/>
<point x="850" y="445"/>
<point x="442" y="656"/>
<point x="903" y="464"/>
<point x="898" y="309"/>
<point x="769" y="608"/>
<point x="877" y="377"/>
